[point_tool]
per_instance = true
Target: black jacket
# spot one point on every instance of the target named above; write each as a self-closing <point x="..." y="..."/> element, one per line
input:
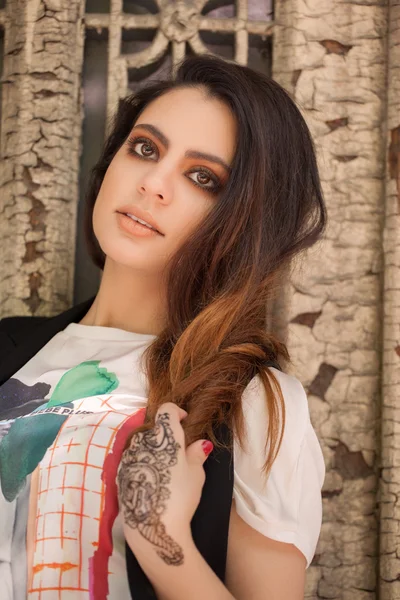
<point x="22" y="337"/>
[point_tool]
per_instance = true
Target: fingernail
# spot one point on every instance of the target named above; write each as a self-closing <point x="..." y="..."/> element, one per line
<point x="207" y="447"/>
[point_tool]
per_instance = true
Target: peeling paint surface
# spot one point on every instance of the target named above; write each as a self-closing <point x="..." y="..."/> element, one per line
<point x="40" y="147"/>
<point x="390" y="462"/>
<point x="331" y="56"/>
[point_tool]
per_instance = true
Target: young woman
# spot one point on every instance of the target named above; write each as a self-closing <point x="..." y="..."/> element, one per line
<point x="151" y="445"/>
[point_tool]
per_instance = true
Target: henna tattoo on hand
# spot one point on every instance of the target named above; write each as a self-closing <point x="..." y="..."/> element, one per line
<point x="143" y="478"/>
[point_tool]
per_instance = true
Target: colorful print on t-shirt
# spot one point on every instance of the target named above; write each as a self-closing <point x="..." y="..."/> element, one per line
<point x="58" y="467"/>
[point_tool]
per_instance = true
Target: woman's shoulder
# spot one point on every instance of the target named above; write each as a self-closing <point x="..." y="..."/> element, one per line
<point x="12" y="324"/>
<point x="287" y="505"/>
<point x="17" y="328"/>
<point x="297" y="414"/>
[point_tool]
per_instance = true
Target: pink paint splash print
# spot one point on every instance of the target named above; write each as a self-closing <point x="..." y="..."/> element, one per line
<point x="98" y="567"/>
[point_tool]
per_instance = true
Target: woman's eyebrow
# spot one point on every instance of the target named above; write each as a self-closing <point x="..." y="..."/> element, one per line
<point x="189" y="153"/>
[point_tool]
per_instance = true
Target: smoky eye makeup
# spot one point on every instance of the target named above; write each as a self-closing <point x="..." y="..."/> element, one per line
<point x="149" y="148"/>
<point x="135" y="140"/>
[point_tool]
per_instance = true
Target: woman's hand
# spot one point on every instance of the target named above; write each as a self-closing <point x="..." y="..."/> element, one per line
<point x="159" y="486"/>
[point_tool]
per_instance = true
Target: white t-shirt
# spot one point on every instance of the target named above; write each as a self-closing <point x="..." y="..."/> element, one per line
<point x="64" y="420"/>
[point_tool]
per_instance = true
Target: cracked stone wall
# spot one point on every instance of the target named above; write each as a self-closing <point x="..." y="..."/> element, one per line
<point x="39" y="144"/>
<point x="331" y="55"/>
<point x="390" y="474"/>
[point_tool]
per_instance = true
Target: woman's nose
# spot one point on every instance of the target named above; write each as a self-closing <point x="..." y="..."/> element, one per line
<point x="146" y="191"/>
<point x="154" y="185"/>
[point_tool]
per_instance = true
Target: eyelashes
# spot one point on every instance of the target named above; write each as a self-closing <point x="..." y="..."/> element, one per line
<point x="132" y="142"/>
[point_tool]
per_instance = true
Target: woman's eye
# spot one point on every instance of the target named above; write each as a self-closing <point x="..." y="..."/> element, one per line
<point x="203" y="179"/>
<point x="141" y="147"/>
<point x="144" y="148"/>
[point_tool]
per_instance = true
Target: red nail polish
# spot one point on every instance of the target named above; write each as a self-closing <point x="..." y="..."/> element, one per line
<point x="207" y="447"/>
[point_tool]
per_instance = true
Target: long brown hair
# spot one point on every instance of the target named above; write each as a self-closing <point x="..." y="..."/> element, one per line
<point x="226" y="273"/>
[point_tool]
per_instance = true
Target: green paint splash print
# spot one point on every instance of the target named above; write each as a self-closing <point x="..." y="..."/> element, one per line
<point x="29" y="437"/>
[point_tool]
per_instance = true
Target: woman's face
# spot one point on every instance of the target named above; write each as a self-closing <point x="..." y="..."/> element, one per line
<point x="157" y="174"/>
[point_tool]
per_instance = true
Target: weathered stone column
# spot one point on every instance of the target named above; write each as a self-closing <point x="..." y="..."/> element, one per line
<point x="331" y="56"/>
<point x="40" y="146"/>
<point x="390" y="475"/>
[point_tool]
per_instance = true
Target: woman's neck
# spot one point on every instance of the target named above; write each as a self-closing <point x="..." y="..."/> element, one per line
<point x="126" y="301"/>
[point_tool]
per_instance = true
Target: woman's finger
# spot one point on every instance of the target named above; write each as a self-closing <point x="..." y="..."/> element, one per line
<point x="168" y="424"/>
<point x="198" y="452"/>
<point x="173" y="409"/>
<point x="169" y="417"/>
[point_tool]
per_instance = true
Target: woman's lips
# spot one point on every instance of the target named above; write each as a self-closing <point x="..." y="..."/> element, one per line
<point x="136" y="211"/>
<point x="134" y="227"/>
